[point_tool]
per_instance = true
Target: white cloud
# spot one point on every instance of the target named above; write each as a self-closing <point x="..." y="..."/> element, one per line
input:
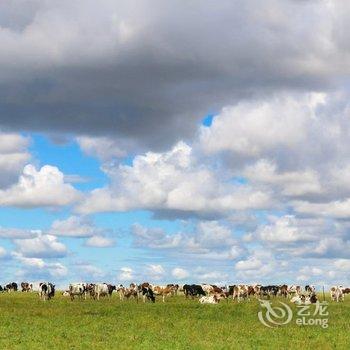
<point x="15" y="233"/>
<point x="155" y="271"/>
<point x="126" y="274"/>
<point x="169" y="181"/>
<point x="37" y="266"/>
<point x="42" y="246"/>
<point x="74" y="226"/>
<point x="100" y="242"/>
<point x="37" y="188"/>
<point x="180" y="273"/>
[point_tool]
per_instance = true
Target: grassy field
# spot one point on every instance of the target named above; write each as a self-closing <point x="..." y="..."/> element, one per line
<point x="28" y="323"/>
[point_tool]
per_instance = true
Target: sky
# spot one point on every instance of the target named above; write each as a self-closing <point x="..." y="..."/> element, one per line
<point x="175" y="141"/>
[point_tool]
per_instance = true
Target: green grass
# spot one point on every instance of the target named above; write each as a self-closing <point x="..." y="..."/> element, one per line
<point x="28" y="323"/>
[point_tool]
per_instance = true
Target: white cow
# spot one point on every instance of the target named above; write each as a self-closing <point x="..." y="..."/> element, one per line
<point x="337" y="294"/>
<point x="293" y="290"/>
<point x="46" y="291"/>
<point x="78" y="289"/>
<point x="100" y="289"/>
<point x="212" y="299"/>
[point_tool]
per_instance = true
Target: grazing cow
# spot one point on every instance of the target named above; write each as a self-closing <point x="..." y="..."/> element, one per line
<point x="78" y="289"/>
<point x="212" y="299"/>
<point x="145" y="289"/>
<point x="163" y="291"/>
<point x="336" y="293"/>
<point x="46" y="291"/>
<point x="26" y="287"/>
<point x="193" y="290"/>
<point x="310" y="289"/>
<point x="11" y="287"/>
<point x="66" y="293"/>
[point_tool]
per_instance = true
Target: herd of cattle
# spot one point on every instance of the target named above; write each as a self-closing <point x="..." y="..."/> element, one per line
<point x="207" y="293"/>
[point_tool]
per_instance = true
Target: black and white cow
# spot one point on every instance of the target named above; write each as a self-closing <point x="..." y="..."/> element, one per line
<point x="11" y="287"/>
<point x="77" y="289"/>
<point x="46" y="290"/>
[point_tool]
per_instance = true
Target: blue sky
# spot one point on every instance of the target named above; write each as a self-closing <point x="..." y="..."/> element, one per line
<point x="133" y="149"/>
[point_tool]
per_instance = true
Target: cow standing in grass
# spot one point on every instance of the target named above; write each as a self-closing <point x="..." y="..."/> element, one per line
<point x="77" y="289"/>
<point x="46" y="291"/>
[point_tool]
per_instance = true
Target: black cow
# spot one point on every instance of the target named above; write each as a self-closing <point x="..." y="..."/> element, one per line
<point x="193" y="290"/>
<point x="1" y="289"/>
<point x="111" y="288"/>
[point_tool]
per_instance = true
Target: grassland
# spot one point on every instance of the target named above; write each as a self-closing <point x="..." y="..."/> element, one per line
<point x="28" y="323"/>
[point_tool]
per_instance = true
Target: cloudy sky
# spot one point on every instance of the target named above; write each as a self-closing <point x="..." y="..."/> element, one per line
<point x="175" y="141"/>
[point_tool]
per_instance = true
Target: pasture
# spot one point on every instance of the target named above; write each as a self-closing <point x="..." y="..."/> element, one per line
<point x="29" y="323"/>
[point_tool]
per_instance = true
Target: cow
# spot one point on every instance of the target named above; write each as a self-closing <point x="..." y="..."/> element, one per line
<point x="346" y="290"/>
<point x="283" y="290"/>
<point x="163" y="291"/>
<point x="310" y="289"/>
<point x="66" y="293"/>
<point x="336" y="293"/>
<point x="1" y="289"/>
<point x="193" y="290"/>
<point x="77" y="289"/>
<point x="303" y="299"/>
<point x="100" y="289"/>
<point x="176" y="287"/>
<point x="145" y="289"/>
<point x="26" y="287"/>
<point x="111" y="288"/>
<point x="11" y="287"/>
<point x="46" y="290"/>
<point x="208" y="289"/>
<point x="238" y="292"/>
<point x="128" y="292"/>
<point x="212" y="299"/>
<point x="294" y="290"/>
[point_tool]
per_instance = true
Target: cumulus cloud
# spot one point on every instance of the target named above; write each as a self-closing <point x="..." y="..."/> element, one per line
<point x="126" y="274"/>
<point x="155" y="271"/>
<point x="74" y="226"/>
<point x="42" y="246"/>
<point x="38" y="267"/>
<point x="100" y="242"/>
<point x="15" y="233"/>
<point x="208" y="240"/>
<point x="169" y="181"/>
<point x="38" y="188"/>
<point x="180" y="273"/>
